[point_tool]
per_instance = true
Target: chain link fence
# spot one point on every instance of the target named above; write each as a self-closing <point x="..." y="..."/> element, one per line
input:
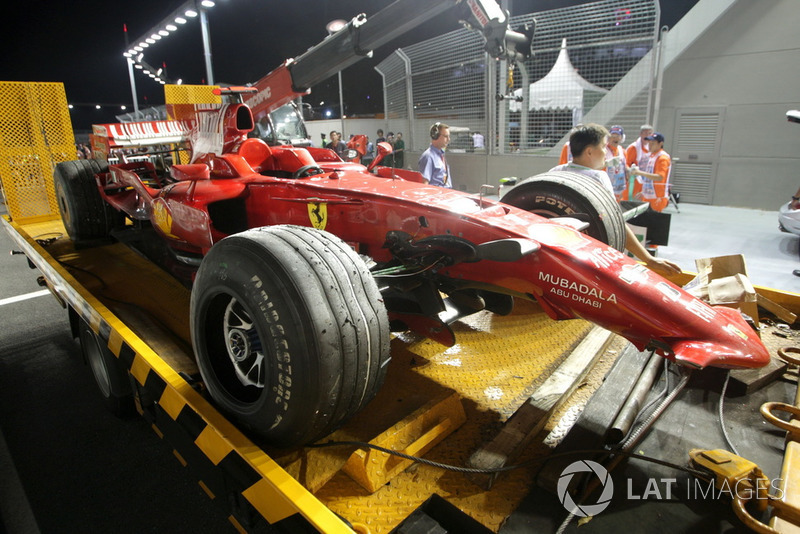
<point x="592" y="63"/>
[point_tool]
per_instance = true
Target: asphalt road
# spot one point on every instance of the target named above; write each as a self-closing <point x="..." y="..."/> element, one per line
<point x="66" y="463"/>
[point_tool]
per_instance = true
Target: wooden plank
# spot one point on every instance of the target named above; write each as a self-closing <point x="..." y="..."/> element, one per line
<point x="531" y="417"/>
<point x="776" y="309"/>
<point x="746" y="381"/>
<point x="590" y="430"/>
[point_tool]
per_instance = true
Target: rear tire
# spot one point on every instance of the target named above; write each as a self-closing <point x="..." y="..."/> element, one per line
<point x="565" y="194"/>
<point x="86" y="216"/>
<point x="109" y="374"/>
<point x="290" y="331"/>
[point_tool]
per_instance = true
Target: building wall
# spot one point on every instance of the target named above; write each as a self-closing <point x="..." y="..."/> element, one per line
<point x="749" y="64"/>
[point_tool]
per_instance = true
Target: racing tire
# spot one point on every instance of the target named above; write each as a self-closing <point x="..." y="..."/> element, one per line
<point x="290" y="331"/>
<point x="565" y="194"/>
<point x="109" y="374"/>
<point x="86" y="216"/>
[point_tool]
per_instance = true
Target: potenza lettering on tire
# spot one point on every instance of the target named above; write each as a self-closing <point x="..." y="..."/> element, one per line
<point x="565" y="194"/>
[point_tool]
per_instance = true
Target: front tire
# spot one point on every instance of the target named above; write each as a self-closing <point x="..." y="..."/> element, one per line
<point x="290" y="332"/>
<point x="565" y="194"/>
<point x="86" y="216"/>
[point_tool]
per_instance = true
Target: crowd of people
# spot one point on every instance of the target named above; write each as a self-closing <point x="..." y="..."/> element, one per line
<point x="596" y="152"/>
<point x="397" y="158"/>
<point x="640" y="171"/>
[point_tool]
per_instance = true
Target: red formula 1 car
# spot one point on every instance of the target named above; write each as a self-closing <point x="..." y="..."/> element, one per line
<point x="305" y="263"/>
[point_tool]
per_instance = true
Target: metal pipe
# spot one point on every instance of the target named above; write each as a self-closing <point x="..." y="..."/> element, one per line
<point x="133" y="87"/>
<point x="659" y="74"/>
<point x="361" y="35"/>
<point x="526" y="96"/>
<point x="633" y="405"/>
<point x="206" y="47"/>
<point x="630" y="443"/>
<point x="653" y="59"/>
<point x="341" y="102"/>
<point x="412" y="122"/>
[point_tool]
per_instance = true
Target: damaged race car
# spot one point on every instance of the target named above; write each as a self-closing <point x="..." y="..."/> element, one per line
<point x="301" y="264"/>
<point x="305" y="264"/>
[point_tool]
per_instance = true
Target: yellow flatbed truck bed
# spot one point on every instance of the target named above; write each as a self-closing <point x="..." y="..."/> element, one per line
<point x="142" y="314"/>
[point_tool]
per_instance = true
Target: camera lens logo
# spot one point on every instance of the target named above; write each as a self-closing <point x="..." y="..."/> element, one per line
<point x="585" y="466"/>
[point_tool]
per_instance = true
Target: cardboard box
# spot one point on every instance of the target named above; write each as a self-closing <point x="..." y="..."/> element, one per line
<point x="723" y="281"/>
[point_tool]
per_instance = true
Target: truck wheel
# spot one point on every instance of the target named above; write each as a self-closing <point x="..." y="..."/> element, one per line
<point x="86" y="216"/>
<point x="109" y="374"/>
<point x="565" y="194"/>
<point x="289" y="330"/>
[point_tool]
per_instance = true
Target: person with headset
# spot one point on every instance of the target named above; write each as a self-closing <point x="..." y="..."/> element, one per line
<point x="432" y="163"/>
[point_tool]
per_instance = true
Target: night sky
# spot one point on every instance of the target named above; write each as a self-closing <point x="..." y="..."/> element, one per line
<point x="81" y="45"/>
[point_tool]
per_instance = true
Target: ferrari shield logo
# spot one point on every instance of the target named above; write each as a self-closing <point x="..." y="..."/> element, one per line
<point x="163" y="218"/>
<point x="318" y="213"/>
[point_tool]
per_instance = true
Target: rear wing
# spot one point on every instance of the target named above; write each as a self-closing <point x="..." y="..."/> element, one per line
<point x="106" y="138"/>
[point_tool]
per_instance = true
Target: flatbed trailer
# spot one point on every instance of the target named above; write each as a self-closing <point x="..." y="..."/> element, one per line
<point x="141" y="315"/>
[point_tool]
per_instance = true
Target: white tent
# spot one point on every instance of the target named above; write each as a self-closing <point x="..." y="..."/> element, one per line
<point x="561" y="89"/>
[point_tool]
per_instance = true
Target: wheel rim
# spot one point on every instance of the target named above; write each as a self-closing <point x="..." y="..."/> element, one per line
<point x="243" y="344"/>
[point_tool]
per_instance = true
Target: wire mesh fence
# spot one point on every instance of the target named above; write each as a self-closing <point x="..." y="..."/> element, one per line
<point x="591" y="63"/>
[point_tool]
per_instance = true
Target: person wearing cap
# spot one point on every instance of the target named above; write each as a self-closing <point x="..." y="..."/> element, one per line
<point x="615" y="161"/>
<point x="655" y="173"/>
<point x="637" y="153"/>
<point x="588" y="144"/>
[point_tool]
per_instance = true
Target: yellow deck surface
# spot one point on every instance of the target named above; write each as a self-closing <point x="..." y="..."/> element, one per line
<point x="497" y="363"/>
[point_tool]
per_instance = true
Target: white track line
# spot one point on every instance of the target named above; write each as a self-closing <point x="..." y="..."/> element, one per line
<point x="11" y="300"/>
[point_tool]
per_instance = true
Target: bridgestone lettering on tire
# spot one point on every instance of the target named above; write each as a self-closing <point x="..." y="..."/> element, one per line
<point x="290" y="331"/>
<point x="86" y="216"/>
<point x="564" y="193"/>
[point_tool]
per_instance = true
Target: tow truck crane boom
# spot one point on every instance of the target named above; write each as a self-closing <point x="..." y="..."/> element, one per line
<point x="361" y="35"/>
